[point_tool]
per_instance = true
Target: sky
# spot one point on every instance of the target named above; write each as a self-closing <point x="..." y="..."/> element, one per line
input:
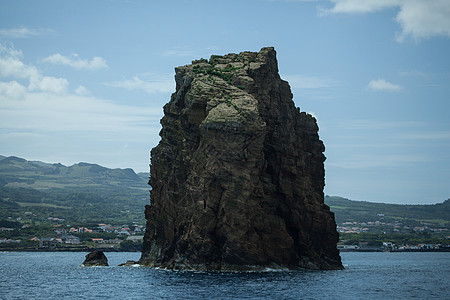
<point x="85" y="81"/>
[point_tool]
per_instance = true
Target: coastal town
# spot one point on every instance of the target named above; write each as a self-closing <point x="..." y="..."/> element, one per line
<point x="65" y="237"/>
<point x="72" y="238"/>
<point x="35" y="229"/>
<point x="390" y="227"/>
<point x="393" y="229"/>
<point x="393" y="247"/>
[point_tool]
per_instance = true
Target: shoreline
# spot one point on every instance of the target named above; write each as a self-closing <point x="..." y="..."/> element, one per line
<point x="88" y="249"/>
<point x="395" y="250"/>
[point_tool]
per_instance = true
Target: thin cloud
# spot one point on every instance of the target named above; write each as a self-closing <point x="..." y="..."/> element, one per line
<point x="44" y="111"/>
<point x="149" y="83"/>
<point x="12" y="89"/>
<point x="377" y="125"/>
<point x="25" y="32"/>
<point x="187" y="51"/>
<point x="383" y="85"/>
<point x="49" y="84"/>
<point x="78" y="128"/>
<point x="82" y="91"/>
<point x="360" y="7"/>
<point x="291" y="0"/>
<point x="11" y="64"/>
<point x="75" y="62"/>
<point x="179" y="52"/>
<point x="418" y="19"/>
<point x="309" y="82"/>
<point x="385" y="161"/>
<point x="415" y="73"/>
<point x="8" y="50"/>
<point x="432" y="135"/>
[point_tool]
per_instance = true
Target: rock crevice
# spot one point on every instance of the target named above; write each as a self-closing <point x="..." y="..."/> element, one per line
<point x="238" y="176"/>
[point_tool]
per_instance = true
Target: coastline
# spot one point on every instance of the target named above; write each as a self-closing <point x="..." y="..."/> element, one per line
<point x="79" y="249"/>
<point x="395" y="250"/>
<point x="88" y="249"/>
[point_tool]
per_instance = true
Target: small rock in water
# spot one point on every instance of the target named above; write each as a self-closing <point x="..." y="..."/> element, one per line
<point x="95" y="258"/>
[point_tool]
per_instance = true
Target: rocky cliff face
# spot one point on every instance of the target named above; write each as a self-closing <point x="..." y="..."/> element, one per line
<point x="238" y="176"/>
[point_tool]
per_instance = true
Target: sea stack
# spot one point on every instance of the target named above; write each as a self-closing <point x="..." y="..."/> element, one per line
<point x="238" y="176"/>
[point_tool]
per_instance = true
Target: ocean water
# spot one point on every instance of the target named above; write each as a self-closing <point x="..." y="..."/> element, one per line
<point x="46" y="275"/>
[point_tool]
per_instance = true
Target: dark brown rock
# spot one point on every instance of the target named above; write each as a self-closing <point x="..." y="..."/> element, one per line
<point x="95" y="258"/>
<point x="238" y="176"/>
<point x="129" y="263"/>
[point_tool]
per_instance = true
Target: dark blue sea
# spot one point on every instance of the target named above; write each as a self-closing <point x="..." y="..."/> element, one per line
<point x="46" y="275"/>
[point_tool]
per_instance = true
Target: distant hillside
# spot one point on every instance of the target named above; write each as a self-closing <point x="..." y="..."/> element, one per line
<point x="361" y="211"/>
<point x="18" y="172"/>
<point x="79" y="192"/>
<point x="87" y="192"/>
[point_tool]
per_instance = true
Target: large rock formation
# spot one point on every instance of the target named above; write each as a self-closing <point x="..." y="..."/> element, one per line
<point x="238" y="176"/>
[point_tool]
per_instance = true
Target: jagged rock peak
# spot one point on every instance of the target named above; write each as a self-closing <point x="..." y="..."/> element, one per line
<point x="238" y="176"/>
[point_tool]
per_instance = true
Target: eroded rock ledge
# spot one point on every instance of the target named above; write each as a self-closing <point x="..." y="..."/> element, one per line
<point x="238" y="176"/>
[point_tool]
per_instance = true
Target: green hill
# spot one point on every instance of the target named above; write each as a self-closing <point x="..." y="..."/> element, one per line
<point x="18" y="172"/>
<point x="89" y="193"/>
<point x="82" y="192"/>
<point x="360" y="211"/>
<point x="374" y="223"/>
